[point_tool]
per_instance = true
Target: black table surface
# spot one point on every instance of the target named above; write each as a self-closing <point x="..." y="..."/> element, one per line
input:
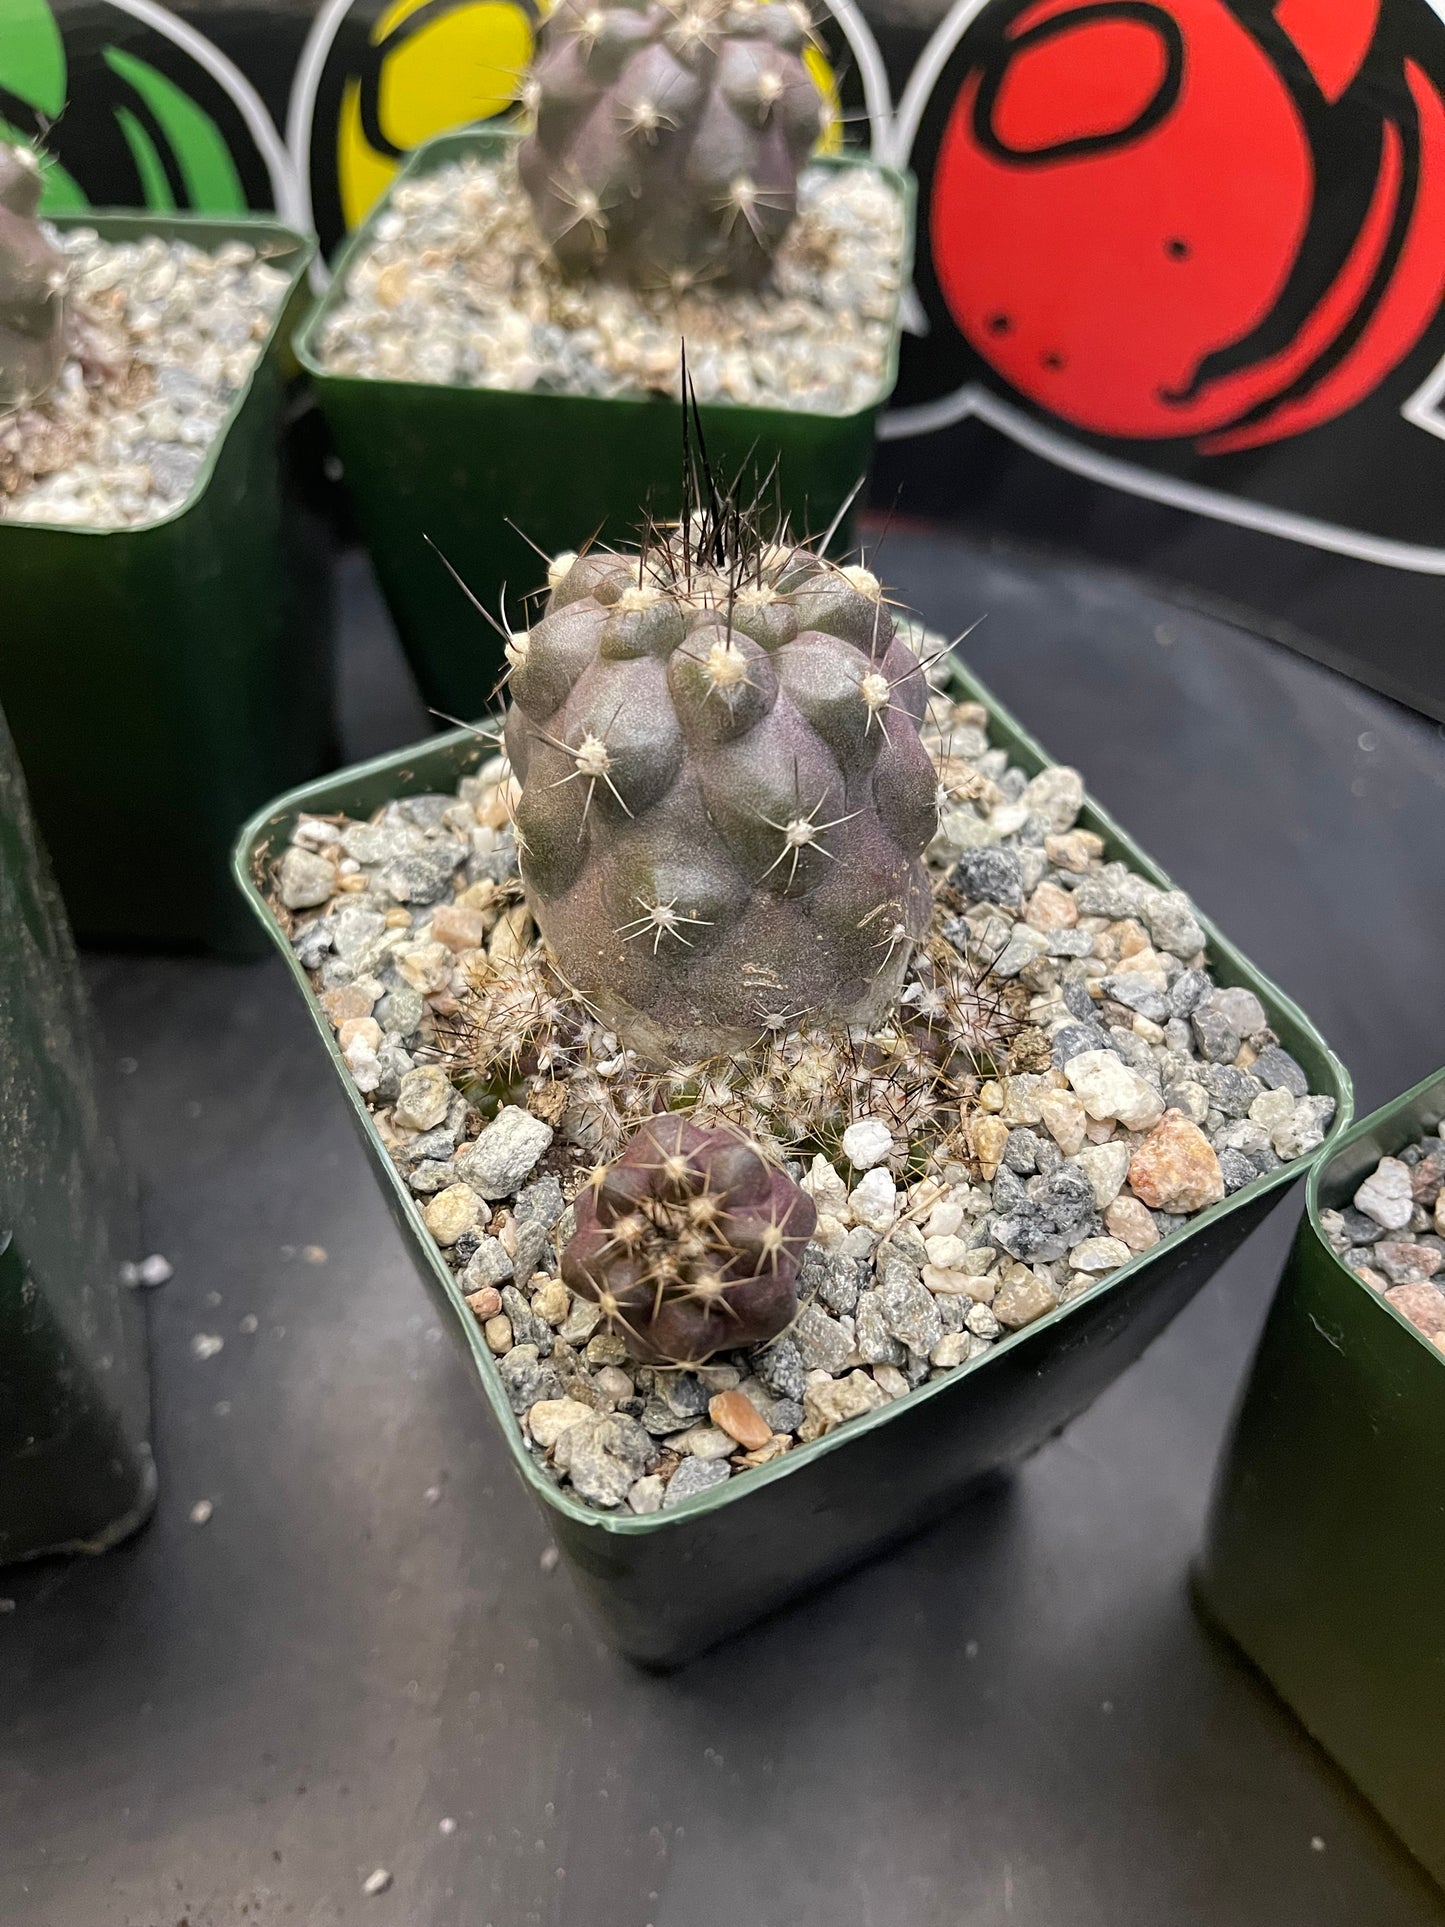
<point x="365" y="1660"/>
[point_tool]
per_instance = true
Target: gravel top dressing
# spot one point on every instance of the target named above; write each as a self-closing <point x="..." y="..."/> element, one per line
<point x="1131" y="1094"/>
<point x="164" y="336"/>
<point x="458" y="287"/>
<point x="1392" y="1233"/>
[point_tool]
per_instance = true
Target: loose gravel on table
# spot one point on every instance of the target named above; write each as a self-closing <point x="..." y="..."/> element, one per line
<point x="1392" y="1233"/>
<point x="1158" y="1093"/>
<point x="164" y="336"/>
<point x="457" y="287"/>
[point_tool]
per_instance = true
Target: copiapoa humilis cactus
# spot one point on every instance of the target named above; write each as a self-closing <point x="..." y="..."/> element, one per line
<point x="690" y="1243"/>
<point x="32" y="287"/>
<point x="668" y="136"/>
<point x="724" y="797"/>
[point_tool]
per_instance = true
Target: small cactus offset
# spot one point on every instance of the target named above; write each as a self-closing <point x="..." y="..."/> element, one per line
<point x="724" y="797"/>
<point x="668" y="137"/>
<point x="690" y="1243"/>
<point x="32" y="287"/>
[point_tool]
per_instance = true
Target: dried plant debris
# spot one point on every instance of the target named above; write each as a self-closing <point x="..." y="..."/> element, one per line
<point x="162" y="336"/>
<point x="1060" y="1087"/>
<point x="1392" y="1233"/>
<point x="458" y="286"/>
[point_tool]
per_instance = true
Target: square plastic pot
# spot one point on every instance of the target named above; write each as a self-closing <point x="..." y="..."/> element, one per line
<point x="479" y="475"/>
<point x="667" y="1585"/>
<point x="1325" y="1554"/>
<point x="160" y="682"/>
<point x="76" y="1472"/>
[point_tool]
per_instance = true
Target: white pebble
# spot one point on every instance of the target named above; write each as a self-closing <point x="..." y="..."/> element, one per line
<point x="376" y="1883"/>
<point x="866" y="1143"/>
<point x="1385" y="1195"/>
<point x="874" y="1201"/>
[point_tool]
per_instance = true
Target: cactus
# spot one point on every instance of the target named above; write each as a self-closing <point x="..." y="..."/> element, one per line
<point x="724" y="797"/>
<point x="668" y="137"/>
<point x="690" y="1243"/>
<point x="32" y="287"/>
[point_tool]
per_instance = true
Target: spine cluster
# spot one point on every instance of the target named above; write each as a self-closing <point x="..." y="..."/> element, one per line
<point x="690" y="1243"/>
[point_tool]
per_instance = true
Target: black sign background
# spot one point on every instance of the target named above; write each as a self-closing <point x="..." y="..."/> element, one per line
<point x="1331" y="537"/>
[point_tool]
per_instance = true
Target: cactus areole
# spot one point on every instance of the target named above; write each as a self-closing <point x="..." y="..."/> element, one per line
<point x="32" y="287"/>
<point x="724" y="798"/>
<point x="690" y="1243"/>
<point x="668" y="136"/>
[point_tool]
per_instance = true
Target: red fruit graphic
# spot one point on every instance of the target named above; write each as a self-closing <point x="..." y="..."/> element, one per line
<point x="1128" y="224"/>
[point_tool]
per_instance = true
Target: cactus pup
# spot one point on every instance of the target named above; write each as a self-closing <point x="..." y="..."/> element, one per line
<point x="32" y="287"/>
<point x="668" y="136"/>
<point x="690" y="1243"/>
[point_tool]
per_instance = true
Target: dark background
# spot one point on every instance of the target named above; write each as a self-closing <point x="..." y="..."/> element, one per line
<point x="1368" y="470"/>
<point x="1014" y="1721"/>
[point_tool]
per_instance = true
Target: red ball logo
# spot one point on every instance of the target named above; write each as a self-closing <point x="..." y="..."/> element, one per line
<point x="1163" y="218"/>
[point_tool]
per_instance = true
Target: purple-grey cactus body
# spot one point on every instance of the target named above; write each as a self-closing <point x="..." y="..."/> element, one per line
<point x="690" y="1243"/>
<point x="668" y="136"/>
<point x="32" y="287"/>
<point x="724" y="798"/>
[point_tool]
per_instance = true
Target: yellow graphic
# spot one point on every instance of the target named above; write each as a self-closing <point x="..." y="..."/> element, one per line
<point x="465" y="65"/>
<point x="457" y="66"/>
<point x="830" y="141"/>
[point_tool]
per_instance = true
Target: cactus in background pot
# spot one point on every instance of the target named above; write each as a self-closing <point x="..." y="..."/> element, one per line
<point x="668" y="137"/>
<point x="724" y="797"/>
<point x="32" y="287"/>
<point x="690" y="1242"/>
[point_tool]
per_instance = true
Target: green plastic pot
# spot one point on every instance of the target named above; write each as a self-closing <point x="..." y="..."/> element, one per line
<point x="479" y="475"/>
<point x="75" y="1466"/>
<point x="162" y="681"/>
<point x="667" y="1585"/>
<point x="1325" y="1553"/>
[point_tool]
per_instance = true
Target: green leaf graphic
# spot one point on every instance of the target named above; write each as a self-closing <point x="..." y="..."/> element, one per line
<point x="212" y="184"/>
<point x="154" y="185"/>
<point x="32" y="55"/>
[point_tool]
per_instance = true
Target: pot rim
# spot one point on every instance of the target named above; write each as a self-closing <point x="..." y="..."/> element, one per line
<point x="1228" y="964"/>
<point x="1382" y="1133"/>
<point x="295" y="254"/>
<point x="489" y="141"/>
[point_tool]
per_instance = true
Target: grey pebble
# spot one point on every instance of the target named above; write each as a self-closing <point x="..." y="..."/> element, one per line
<point x="540" y="1203"/>
<point x="780" y="1367"/>
<point x="1074" y="1039"/>
<point x="1021" y="1151"/>
<point x="1236" y="1169"/>
<point x="1217" y="1038"/>
<point x="431" y="1174"/>
<point x="1230" y="1090"/>
<point x="1129" y="988"/>
<point x="1187" y="992"/>
<point x="495" y="1163"/>
<point x="1278" y="1071"/>
<point x="821" y="1342"/>
<point x="489" y="1265"/>
<point x="989" y="875"/>
<point x="526" y="1378"/>
<point x="694" y="1476"/>
<point x="909" y="1313"/>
